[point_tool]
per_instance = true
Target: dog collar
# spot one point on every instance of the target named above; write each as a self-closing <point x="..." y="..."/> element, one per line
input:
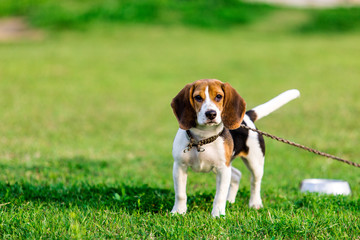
<point x="200" y="143"/>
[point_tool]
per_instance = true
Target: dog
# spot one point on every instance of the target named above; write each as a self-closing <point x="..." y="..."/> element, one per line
<point x="209" y="113"/>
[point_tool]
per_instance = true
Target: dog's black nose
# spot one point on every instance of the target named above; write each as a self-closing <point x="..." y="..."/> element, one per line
<point x="210" y="114"/>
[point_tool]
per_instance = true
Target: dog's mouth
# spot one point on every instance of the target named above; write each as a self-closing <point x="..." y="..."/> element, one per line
<point x="211" y="122"/>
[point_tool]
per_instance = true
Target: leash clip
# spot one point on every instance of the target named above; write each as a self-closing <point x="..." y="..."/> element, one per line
<point x="187" y="149"/>
<point x="191" y="145"/>
<point x="200" y="149"/>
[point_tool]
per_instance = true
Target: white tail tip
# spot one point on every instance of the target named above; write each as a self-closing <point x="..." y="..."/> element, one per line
<point x="275" y="103"/>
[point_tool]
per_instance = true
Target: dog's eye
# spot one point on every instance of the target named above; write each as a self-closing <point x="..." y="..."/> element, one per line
<point x="198" y="98"/>
<point x="218" y="97"/>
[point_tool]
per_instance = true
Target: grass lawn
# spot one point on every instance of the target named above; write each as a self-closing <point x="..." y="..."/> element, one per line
<point x="86" y="132"/>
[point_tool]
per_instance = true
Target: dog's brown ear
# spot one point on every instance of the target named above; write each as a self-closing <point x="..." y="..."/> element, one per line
<point x="183" y="109"/>
<point x="234" y="107"/>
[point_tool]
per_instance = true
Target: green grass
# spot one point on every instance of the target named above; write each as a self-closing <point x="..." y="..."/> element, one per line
<point x="333" y="20"/>
<point x="210" y="14"/>
<point x="86" y="132"/>
<point x="78" y="14"/>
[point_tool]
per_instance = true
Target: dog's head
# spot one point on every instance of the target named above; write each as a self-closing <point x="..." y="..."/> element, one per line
<point x="208" y="102"/>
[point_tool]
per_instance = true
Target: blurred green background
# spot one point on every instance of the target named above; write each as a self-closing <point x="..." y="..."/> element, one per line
<point x="86" y="127"/>
<point x="218" y="14"/>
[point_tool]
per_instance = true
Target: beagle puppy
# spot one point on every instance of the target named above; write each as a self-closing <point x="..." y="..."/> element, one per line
<point x="209" y="113"/>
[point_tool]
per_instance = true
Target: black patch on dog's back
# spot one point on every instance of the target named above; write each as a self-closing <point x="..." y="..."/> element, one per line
<point x="239" y="137"/>
<point x="252" y="115"/>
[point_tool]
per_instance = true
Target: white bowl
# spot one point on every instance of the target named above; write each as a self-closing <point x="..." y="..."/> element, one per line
<point x="328" y="186"/>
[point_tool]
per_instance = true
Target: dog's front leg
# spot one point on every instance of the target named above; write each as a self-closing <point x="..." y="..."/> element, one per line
<point x="180" y="177"/>
<point x="223" y="178"/>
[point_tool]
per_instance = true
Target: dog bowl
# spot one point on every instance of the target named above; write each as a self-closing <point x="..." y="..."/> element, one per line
<point x="327" y="186"/>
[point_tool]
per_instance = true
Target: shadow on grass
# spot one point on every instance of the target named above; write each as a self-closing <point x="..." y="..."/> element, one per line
<point x="127" y="197"/>
<point x="130" y="198"/>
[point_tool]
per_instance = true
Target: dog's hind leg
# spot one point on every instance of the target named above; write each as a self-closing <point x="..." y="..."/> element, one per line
<point x="255" y="163"/>
<point x="234" y="184"/>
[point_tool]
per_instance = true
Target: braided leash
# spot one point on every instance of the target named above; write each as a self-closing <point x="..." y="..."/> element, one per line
<point x="302" y="146"/>
<point x="198" y="144"/>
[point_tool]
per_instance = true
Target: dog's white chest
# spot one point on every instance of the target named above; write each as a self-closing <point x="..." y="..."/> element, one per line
<point x="209" y="159"/>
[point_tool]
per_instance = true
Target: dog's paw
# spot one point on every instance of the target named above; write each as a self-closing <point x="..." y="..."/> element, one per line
<point x="255" y="204"/>
<point x="231" y="200"/>
<point x="216" y="212"/>
<point x="178" y="210"/>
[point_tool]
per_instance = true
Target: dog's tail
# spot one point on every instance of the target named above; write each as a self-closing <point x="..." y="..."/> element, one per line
<point x="265" y="109"/>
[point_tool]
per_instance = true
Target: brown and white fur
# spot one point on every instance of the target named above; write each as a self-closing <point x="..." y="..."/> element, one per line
<point x="205" y="107"/>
